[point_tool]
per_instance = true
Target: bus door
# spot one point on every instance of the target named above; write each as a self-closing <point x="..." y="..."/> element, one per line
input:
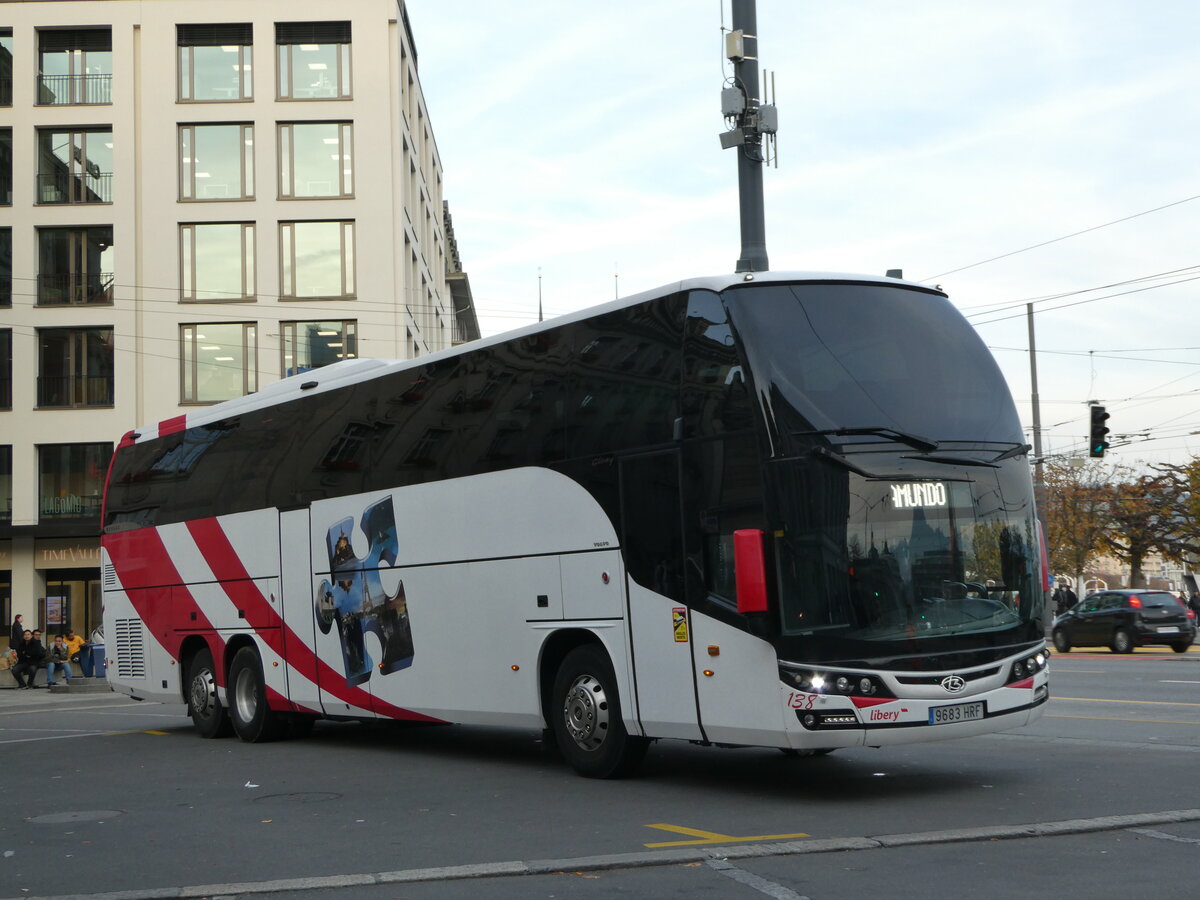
<point x="314" y="649"/>
<point x="659" y="621"/>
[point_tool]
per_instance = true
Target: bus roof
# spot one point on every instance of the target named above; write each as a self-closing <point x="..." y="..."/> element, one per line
<point x="352" y="371"/>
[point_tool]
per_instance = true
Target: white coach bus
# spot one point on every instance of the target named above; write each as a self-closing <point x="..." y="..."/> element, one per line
<point x="784" y="510"/>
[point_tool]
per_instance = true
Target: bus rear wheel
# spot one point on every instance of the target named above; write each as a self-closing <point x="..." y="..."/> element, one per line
<point x="209" y="717"/>
<point x="586" y="717"/>
<point x="253" y="719"/>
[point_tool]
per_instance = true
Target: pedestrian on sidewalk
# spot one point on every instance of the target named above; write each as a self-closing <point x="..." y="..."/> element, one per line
<point x="58" y="656"/>
<point x="30" y="656"/>
<point x="16" y="636"/>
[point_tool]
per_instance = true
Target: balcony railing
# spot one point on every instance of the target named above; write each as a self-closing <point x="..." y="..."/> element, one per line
<point x="69" y="391"/>
<point x="64" y="188"/>
<point x="74" y="90"/>
<point x="75" y="289"/>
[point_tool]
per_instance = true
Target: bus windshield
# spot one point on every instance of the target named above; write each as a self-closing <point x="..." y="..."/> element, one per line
<point x="871" y="357"/>
<point x="875" y="567"/>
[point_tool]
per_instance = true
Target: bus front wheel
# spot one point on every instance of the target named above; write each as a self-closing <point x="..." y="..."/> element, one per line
<point x="204" y="706"/>
<point x="253" y="719"/>
<point x="586" y="717"/>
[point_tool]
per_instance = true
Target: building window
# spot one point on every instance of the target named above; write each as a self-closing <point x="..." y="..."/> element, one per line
<point x="313" y="60"/>
<point x="218" y="361"/>
<point x="216" y="162"/>
<point x="316" y="259"/>
<point x="74" y="66"/>
<point x="6" y="63"/>
<point x="6" y="167"/>
<point x="6" y="483"/>
<point x="75" y="166"/>
<point x="5" y="368"/>
<point x="216" y="262"/>
<point x="71" y="480"/>
<point x="75" y="266"/>
<point x="310" y="345"/>
<point x="5" y="268"/>
<point x="75" y="367"/>
<point x="215" y="62"/>
<point x="316" y="159"/>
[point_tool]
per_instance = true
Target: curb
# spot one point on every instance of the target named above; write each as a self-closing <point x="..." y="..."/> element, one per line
<point x="647" y="859"/>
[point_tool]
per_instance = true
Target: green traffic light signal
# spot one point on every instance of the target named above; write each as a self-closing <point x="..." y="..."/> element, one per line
<point x="1098" y="438"/>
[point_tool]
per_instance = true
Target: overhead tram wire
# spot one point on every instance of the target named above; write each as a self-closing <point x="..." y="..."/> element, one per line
<point x="1082" y="302"/>
<point x="985" y="309"/>
<point x="1065" y="237"/>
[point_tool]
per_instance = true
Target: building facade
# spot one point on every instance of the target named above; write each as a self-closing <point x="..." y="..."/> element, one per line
<point x="197" y="197"/>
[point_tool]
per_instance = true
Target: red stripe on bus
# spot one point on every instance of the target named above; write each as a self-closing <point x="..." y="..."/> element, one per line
<point x="223" y="559"/>
<point x="143" y="564"/>
<point x="172" y="425"/>
<point x="864" y="702"/>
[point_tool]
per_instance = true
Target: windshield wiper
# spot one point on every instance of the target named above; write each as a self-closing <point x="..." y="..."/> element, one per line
<point x="944" y="456"/>
<point x="952" y="460"/>
<point x="837" y="458"/>
<point x="1014" y="450"/>
<point x="915" y="441"/>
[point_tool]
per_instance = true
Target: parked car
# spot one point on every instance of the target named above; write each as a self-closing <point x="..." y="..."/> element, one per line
<point x="1125" y="619"/>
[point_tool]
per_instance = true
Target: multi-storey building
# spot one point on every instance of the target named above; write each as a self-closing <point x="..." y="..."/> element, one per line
<point x="197" y="197"/>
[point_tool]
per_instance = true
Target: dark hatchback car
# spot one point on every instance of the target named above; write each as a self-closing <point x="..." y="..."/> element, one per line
<point x="1125" y="619"/>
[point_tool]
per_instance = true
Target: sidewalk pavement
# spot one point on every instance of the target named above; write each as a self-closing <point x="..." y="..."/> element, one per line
<point x="80" y="688"/>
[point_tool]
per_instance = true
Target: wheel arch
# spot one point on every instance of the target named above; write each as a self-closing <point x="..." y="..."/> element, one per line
<point x="554" y="650"/>
<point x="191" y="645"/>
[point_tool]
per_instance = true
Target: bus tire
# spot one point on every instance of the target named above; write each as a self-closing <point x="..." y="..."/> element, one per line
<point x="586" y="717"/>
<point x="209" y="717"/>
<point x="252" y="718"/>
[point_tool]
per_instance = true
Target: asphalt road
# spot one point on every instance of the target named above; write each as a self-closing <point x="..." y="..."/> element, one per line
<point x="100" y="794"/>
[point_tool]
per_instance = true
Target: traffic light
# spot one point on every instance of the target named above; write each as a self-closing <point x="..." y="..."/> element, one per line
<point x="1098" y="441"/>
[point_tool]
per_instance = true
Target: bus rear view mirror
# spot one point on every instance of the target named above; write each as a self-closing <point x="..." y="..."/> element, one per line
<point x="750" y="570"/>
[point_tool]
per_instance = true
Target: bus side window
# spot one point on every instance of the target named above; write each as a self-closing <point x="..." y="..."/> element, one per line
<point x="716" y="398"/>
<point x="726" y="495"/>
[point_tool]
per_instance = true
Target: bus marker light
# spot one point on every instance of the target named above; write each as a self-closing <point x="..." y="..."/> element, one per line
<point x="275" y="664"/>
<point x="714" y="650"/>
<point x="708" y="673"/>
<point x="516" y="668"/>
<point x="604" y="577"/>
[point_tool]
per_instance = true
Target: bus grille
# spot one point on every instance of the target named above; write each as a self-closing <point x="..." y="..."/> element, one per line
<point x="131" y="651"/>
<point x="110" y="575"/>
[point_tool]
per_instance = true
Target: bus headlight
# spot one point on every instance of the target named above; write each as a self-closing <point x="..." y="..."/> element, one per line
<point x="1028" y="667"/>
<point x="846" y="684"/>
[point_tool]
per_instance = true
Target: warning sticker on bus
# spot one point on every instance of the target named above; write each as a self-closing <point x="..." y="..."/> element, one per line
<point x="679" y="622"/>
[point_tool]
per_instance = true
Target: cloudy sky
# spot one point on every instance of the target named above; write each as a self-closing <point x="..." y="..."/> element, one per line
<point x="580" y="140"/>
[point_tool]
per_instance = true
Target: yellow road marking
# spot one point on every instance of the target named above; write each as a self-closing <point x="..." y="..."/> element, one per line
<point x="711" y="837"/>
<point x="1116" y="719"/>
<point x="1140" y="702"/>
<point x="139" y="731"/>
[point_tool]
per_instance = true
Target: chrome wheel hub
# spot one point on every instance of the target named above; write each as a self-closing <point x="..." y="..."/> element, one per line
<point x="585" y="712"/>
<point x="204" y="693"/>
<point x="245" y="696"/>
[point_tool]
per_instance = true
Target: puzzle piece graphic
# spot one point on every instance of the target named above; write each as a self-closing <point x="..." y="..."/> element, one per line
<point x="355" y="599"/>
